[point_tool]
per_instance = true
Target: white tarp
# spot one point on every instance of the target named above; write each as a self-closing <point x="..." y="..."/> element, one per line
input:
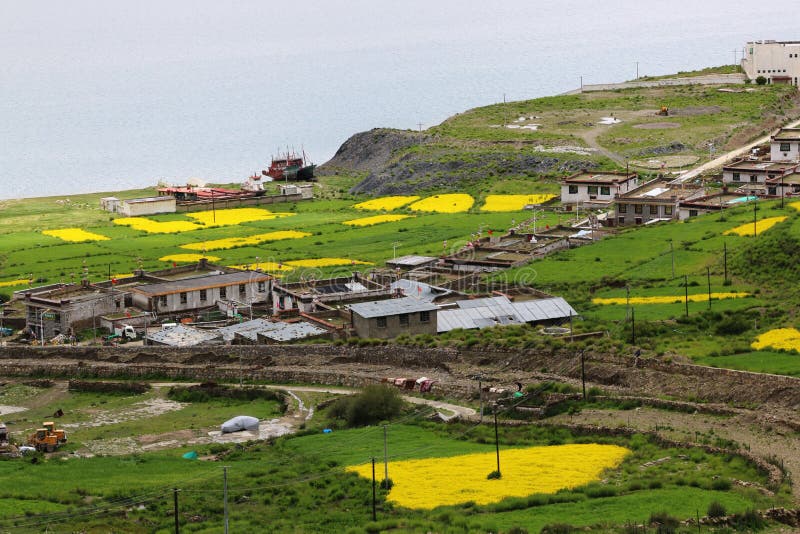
<point x="239" y="423"/>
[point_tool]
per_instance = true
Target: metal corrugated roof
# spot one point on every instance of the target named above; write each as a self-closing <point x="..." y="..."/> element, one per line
<point x="383" y="308"/>
<point x="182" y="336"/>
<point x="486" y="312"/>
<point x="247" y="329"/>
<point x="411" y="260"/>
<point x="293" y="331"/>
<point x="421" y="290"/>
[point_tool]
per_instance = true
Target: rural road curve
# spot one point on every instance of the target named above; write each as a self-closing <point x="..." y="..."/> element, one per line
<point x="723" y="159"/>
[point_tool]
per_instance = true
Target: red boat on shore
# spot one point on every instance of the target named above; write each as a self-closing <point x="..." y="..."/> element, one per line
<point x="290" y="166"/>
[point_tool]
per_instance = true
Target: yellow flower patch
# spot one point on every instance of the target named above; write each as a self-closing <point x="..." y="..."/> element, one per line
<point x="75" y="235"/>
<point x="20" y="282"/>
<point x="432" y="482"/>
<point x="155" y="227"/>
<point x="512" y="202"/>
<point x="187" y="258"/>
<point x="234" y="216"/>
<point x="377" y="219"/>
<point x="266" y="266"/>
<point x="230" y="242"/>
<point x="761" y="226"/>
<point x="780" y="338"/>
<point x="669" y="299"/>
<point x="451" y="203"/>
<point x="386" y="203"/>
<point x="326" y="262"/>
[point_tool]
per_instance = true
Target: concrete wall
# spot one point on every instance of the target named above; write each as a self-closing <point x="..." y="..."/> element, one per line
<point x="663" y="210"/>
<point x="772" y="60"/>
<point x="776" y="154"/>
<point x="368" y="327"/>
<point x="193" y="300"/>
<point x="238" y="202"/>
<point x="165" y="204"/>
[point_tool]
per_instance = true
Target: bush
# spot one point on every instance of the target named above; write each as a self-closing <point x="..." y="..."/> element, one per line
<point x="721" y="484"/>
<point x="716" y="509"/>
<point x="374" y="404"/>
<point x="761" y="80"/>
<point x="749" y="520"/>
<point x="732" y="325"/>
<point x="663" y="519"/>
<point x="494" y="475"/>
<point x="556" y="528"/>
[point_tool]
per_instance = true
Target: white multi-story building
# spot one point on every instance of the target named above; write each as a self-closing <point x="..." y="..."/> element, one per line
<point x="777" y="61"/>
<point x="785" y="145"/>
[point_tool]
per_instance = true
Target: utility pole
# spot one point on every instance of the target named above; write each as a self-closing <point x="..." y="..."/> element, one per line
<point x="374" y="513"/>
<point x="581" y="83"/>
<point x="480" y="396"/>
<point x="225" y="495"/>
<point x="385" y="457"/>
<point x="755" y="223"/>
<point x="496" y="441"/>
<point x="571" y="332"/>
<point x="725" y="259"/>
<point x="633" y="328"/>
<point x="637" y="70"/>
<point x="708" y="278"/>
<point x="672" y="253"/>
<point x="686" y="293"/>
<point x="583" y="374"/>
<point x="175" y="510"/>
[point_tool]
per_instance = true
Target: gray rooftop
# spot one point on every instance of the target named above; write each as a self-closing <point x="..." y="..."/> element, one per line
<point x="293" y="331"/>
<point x="411" y="260"/>
<point x="201" y="282"/>
<point x="384" y="308"/>
<point x="419" y="290"/>
<point x="278" y="331"/>
<point x="493" y="311"/>
<point x="182" y="336"/>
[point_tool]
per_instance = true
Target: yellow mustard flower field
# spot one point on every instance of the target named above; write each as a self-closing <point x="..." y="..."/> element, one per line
<point x="187" y="258"/>
<point x="230" y="217"/>
<point x="669" y="299"/>
<point x="780" y="338"/>
<point x="375" y="219"/>
<point x="144" y="224"/>
<point x="326" y="262"/>
<point x="512" y="202"/>
<point x="75" y="235"/>
<point x="231" y="242"/>
<point x="386" y="203"/>
<point x="450" y="203"/>
<point x="19" y="282"/>
<point x="432" y="482"/>
<point x="761" y="226"/>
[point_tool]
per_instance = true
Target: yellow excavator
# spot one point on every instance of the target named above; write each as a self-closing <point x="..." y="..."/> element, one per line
<point x="48" y="438"/>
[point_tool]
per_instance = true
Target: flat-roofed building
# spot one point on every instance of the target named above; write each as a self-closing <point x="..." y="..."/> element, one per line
<point x="753" y="175"/>
<point x="777" y="61"/>
<point x="656" y="200"/>
<point x="389" y="318"/>
<point x="587" y="189"/>
<point x="200" y="292"/>
<point x="137" y="207"/>
<point x="785" y="145"/>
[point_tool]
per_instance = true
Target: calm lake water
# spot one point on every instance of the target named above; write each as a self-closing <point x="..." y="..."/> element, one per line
<point x="98" y="96"/>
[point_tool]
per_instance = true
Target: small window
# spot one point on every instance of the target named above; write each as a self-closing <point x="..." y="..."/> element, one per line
<point x="592" y="189"/>
<point x="162" y="300"/>
<point x="753" y="178"/>
<point x="621" y="220"/>
<point x="118" y="304"/>
<point x="737" y="177"/>
<point x="573" y="189"/>
<point x="605" y="190"/>
<point x="203" y="295"/>
<point x="262" y="286"/>
<point x="424" y="316"/>
<point x="242" y="289"/>
<point x="653" y="210"/>
<point x="223" y="292"/>
<point x="403" y="319"/>
<point x="637" y="208"/>
<point x="622" y="208"/>
<point x="183" y="298"/>
<point x="786" y="147"/>
<point x="667" y="210"/>
<point x="772" y="191"/>
<point x="381" y="322"/>
<point x="692" y="213"/>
